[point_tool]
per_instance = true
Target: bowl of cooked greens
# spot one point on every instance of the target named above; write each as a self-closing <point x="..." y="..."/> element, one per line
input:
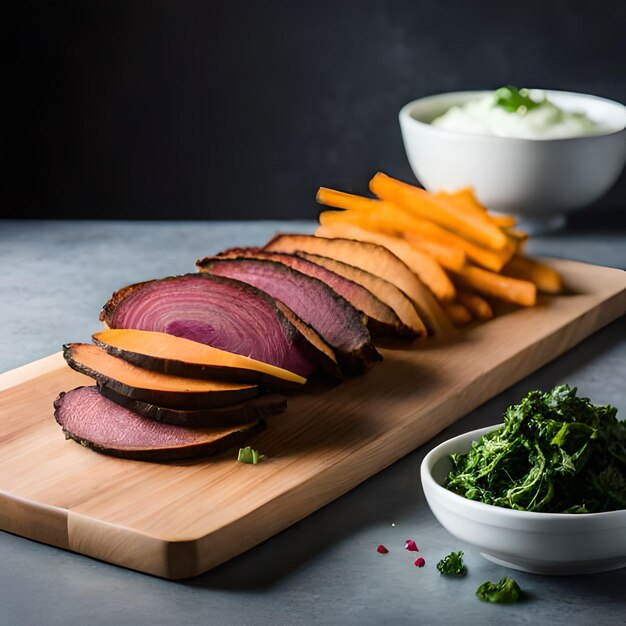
<point x="537" y="154"/>
<point x="544" y="492"/>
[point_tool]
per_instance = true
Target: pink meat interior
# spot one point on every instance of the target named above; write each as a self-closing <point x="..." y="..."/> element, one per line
<point x="87" y="414"/>
<point x="222" y="314"/>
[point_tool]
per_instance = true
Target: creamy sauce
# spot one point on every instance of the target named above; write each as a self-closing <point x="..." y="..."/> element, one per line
<point x="545" y="121"/>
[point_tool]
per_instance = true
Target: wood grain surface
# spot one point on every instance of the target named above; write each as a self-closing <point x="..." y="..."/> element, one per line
<point x="179" y="520"/>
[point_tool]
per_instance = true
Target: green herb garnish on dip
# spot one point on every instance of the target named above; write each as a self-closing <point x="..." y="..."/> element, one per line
<point x="516" y="100"/>
<point x="556" y="453"/>
<point x="518" y="113"/>
<point x="505" y="591"/>
<point x="452" y="565"/>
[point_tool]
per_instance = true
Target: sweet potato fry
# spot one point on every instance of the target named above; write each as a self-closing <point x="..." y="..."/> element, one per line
<point x="449" y="215"/>
<point x="465" y="197"/>
<point x="367" y="212"/>
<point x="545" y="278"/>
<point x="517" y="239"/>
<point x="418" y="230"/>
<point x="376" y="221"/>
<point x="448" y="257"/>
<point x="342" y="200"/>
<point x="477" y="305"/>
<point x="459" y="314"/>
<point x="393" y="219"/>
<point x="467" y="200"/>
<point x="422" y="264"/>
<point x="384" y="222"/>
<point x="503" y="221"/>
<point x="491" y="259"/>
<point x="517" y="235"/>
<point x="505" y="288"/>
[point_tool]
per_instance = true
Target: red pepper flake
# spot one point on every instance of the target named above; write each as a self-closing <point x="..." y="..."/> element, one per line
<point x="411" y="546"/>
<point x="420" y="562"/>
<point x="381" y="549"/>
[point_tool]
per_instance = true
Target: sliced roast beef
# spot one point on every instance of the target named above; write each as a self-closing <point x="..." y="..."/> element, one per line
<point x="248" y="411"/>
<point x="98" y="423"/>
<point x="319" y="349"/>
<point x="382" y="320"/>
<point x="375" y="259"/>
<point x="331" y="315"/>
<point x="395" y="298"/>
<point x="217" y="311"/>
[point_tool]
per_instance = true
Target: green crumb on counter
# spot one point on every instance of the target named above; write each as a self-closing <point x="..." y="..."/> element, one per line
<point x="452" y="565"/>
<point x="506" y="591"/>
<point x="250" y="456"/>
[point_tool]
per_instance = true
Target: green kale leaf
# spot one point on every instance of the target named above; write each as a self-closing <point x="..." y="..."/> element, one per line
<point x="505" y="591"/>
<point x="452" y="565"/>
<point x="556" y="453"/>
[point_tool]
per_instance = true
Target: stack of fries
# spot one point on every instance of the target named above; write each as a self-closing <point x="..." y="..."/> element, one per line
<point x="466" y="256"/>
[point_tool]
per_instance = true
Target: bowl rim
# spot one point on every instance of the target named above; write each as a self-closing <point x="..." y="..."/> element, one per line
<point x="429" y="483"/>
<point x="405" y="117"/>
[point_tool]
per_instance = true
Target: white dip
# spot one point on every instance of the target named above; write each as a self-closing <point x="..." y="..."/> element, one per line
<point x="541" y="120"/>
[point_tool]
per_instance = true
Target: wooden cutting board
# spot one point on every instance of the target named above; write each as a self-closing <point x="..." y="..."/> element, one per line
<point x="180" y="520"/>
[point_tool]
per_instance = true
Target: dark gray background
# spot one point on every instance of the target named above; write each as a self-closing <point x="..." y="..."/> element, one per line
<point x="202" y="110"/>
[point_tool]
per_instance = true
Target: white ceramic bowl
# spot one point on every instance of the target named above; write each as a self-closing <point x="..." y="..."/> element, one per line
<point x="538" y="180"/>
<point x="541" y="543"/>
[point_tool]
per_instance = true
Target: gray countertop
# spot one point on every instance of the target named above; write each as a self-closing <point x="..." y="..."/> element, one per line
<point x="54" y="278"/>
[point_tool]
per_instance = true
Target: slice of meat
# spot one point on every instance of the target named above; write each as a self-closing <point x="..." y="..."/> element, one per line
<point x="382" y="320"/>
<point x="319" y="350"/>
<point x="375" y="259"/>
<point x="219" y="312"/>
<point x="332" y="316"/>
<point x="384" y="290"/>
<point x="175" y="392"/>
<point x="248" y="411"/>
<point x="169" y="354"/>
<point x="98" y="423"/>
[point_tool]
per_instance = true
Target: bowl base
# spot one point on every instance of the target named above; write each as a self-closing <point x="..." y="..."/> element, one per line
<point x="541" y="224"/>
<point x="558" y="569"/>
